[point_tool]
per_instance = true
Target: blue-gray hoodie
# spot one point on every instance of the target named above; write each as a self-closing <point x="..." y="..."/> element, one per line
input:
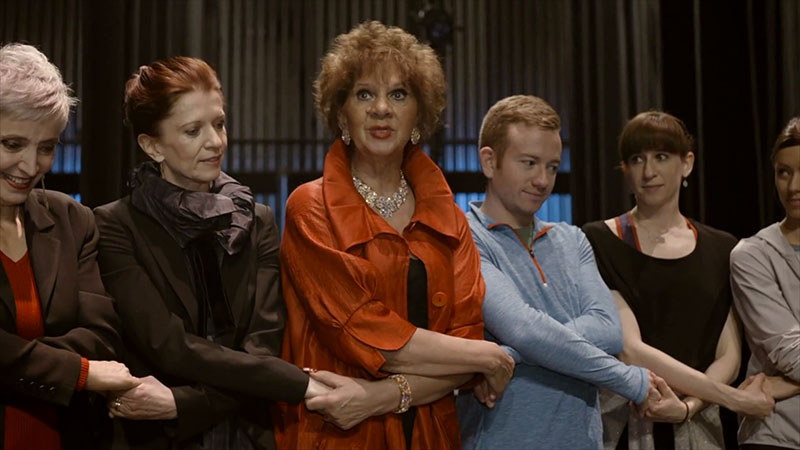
<point x="558" y="319"/>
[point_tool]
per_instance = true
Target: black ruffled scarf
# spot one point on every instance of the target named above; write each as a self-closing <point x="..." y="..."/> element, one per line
<point x="226" y="211"/>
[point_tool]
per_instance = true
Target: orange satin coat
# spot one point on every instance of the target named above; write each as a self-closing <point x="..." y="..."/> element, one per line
<point x="344" y="274"/>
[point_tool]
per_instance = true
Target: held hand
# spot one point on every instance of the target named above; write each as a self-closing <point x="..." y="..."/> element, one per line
<point x="109" y="376"/>
<point x="352" y="400"/>
<point x="669" y="408"/>
<point x="316" y="388"/>
<point x="150" y="400"/>
<point x="501" y="373"/>
<point x="652" y="397"/>
<point x="756" y="401"/>
<point x="484" y="394"/>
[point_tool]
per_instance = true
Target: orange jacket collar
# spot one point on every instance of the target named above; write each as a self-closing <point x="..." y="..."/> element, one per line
<point x="354" y="222"/>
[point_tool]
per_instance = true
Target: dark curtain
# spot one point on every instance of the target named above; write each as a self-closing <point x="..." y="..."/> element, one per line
<point x="732" y="74"/>
<point x="617" y="60"/>
<point x="773" y="33"/>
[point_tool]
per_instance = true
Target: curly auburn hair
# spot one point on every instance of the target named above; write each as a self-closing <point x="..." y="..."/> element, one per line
<point x="368" y="46"/>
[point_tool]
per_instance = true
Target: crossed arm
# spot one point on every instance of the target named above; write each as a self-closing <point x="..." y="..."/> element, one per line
<point x="772" y="328"/>
<point x="434" y="363"/>
<point x="710" y="386"/>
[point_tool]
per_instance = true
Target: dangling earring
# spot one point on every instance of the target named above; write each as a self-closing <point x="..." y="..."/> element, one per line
<point x="44" y="195"/>
<point x="415" y="136"/>
<point x="346" y="136"/>
<point x="685" y="183"/>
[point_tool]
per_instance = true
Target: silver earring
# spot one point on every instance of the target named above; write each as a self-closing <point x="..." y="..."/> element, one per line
<point x="415" y="136"/>
<point x="685" y="183"/>
<point x="346" y="136"/>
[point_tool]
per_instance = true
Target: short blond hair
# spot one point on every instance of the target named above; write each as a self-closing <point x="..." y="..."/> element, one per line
<point x="529" y="110"/>
<point x="366" y="47"/>
<point x="31" y="87"/>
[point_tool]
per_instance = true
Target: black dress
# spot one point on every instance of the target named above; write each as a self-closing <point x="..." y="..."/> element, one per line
<point x="680" y="304"/>
<point x="417" y="315"/>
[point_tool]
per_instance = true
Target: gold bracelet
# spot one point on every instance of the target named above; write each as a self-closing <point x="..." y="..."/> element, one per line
<point x="405" y="393"/>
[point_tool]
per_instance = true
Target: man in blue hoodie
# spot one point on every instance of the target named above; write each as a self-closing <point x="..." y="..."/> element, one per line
<point x="545" y="300"/>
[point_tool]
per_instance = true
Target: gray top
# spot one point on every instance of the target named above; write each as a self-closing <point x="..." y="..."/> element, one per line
<point x="562" y="327"/>
<point x="765" y="278"/>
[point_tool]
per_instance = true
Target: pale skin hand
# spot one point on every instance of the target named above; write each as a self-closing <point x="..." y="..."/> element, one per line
<point x="150" y="400"/>
<point x="433" y="354"/>
<point x="710" y="385"/>
<point x="669" y="408"/>
<point x="353" y="400"/>
<point x="653" y="394"/>
<point x="484" y="394"/>
<point x="109" y="376"/>
<point x="315" y="388"/>
<point x="780" y="387"/>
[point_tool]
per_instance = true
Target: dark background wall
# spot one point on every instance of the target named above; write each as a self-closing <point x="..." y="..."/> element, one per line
<point x="729" y="69"/>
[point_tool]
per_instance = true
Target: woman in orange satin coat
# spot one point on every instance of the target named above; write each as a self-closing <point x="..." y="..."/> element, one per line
<point x="380" y="274"/>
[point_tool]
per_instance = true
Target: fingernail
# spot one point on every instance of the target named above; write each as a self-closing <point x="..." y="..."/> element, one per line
<point x="309" y="370"/>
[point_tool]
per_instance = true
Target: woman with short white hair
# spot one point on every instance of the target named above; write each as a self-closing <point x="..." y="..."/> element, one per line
<point x="56" y="321"/>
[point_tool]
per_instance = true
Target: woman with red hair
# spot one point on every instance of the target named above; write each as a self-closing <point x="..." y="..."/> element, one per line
<point x="192" y="261"/>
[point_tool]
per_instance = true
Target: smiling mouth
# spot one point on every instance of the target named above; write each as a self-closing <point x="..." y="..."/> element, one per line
<point x="533" y="194"/>
<point x="212" y="160"/>
<point x="19" y="183"/>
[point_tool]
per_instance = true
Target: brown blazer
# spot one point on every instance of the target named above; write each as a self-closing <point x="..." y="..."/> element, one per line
<point x="144" y="269"/>
<point x="79" y="318"/>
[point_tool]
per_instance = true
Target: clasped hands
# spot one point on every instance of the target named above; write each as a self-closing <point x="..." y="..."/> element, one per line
<point x="346" y="401"/>
<point x="662" y="404"/>
<point x="352" y="400"/>
<point x="130" y="397"/>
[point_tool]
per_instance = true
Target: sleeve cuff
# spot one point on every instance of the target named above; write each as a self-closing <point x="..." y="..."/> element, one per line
<point x="84" y="374"/>
<point x="377" y="328"/>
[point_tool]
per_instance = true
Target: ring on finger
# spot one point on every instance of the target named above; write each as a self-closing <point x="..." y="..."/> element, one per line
<point x="116" y="404"/>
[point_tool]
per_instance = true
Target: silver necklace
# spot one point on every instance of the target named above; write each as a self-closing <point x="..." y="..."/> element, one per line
<point x="384" y="205"/>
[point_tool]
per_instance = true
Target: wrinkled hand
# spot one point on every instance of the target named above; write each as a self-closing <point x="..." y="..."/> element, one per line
<point x="501" y="374"/>
<point x="485" y="394"/>
<point x="109" y="376"/>
<point x="150" y="400"/>
<point x="668" y="408"/>
<point x="757" y="401"/>
<point x="351" y="401"/>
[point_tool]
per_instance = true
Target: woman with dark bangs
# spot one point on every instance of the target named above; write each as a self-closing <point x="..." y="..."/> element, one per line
<point x="380" y="274"/>
<point x="669" y="276"/>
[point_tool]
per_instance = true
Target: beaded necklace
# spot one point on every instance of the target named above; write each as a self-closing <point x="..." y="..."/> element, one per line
<point x="384" y="205"/>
